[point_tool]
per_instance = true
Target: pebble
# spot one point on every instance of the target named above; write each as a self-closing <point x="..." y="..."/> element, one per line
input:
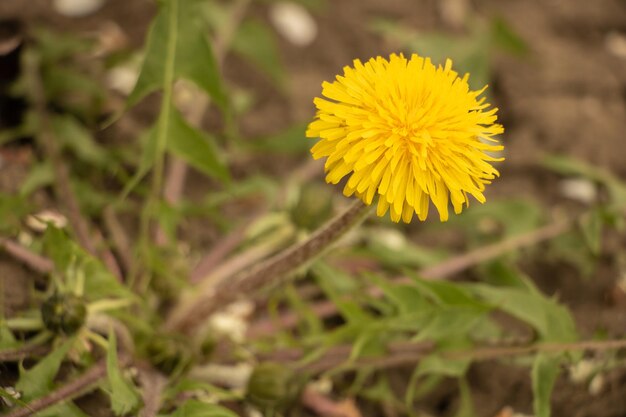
<point x="77" y="8"/>
<point x="294" y="23"/>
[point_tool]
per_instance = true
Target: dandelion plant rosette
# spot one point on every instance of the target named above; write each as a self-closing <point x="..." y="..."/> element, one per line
<point x="406" y="132"/>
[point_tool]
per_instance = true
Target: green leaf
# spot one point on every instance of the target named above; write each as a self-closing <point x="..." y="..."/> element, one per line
<point x="188" y="143"/>
<point x="65" y="254"/>
<point x="194" y="146"/>
<point x="451" y="321"/>
<point x="67" y="409"/>
<point x="39" y="380"/>
<point x="505" y="37"/>
<point x="302" y="309"/>
<point x="73" y="91"/>
<point x="195" y="408"/>
<point x="544" y="373"/>
<point x="501" y="273"/>
<point x="447" y="293"/>
<point x="591" y="228"/>
<point x="40" y="175"/>
<point x="466" y="405"/>
<point x="76" y="137"/>
<point x="326" y="278"/>
<point x="406" y="298"/>
<point x="178" y="32"/>
<point x="438" y="365"/>
<point x="515" y="216"/>
<point x="7" y="340"/>
<point x="289" y="141"/>
<point x="256" y="43"/>
<point x="124" y="398"/>
<point x="551" y="320"/>
<point x="572" y="247"/>
<point x="12" y="209"/>
<point x="55" y="45"/>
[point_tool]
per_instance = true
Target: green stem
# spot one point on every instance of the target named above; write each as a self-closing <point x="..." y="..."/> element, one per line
<point x="149" y="211"/>
<point x="24" y="323"/>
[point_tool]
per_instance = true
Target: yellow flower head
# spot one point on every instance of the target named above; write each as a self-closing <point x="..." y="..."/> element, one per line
<point x="407" y="132"/>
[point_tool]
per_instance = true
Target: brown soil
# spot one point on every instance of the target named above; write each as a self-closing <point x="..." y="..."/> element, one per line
<point x="568" y="96"/>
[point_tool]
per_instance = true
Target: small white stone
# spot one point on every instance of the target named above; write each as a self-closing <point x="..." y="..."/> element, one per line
<point x="293" y="22"/>
<point x="122" y="78"/>
<point x="323" y="385"/>
<point x="596" y="385"/>
<point x="39" y="222"/>
<point x="391" y="238"/>
<point x="229" y="325"/>
<point x="615" y="43"/>
<point x="578" y="189"/>
<point x="231" y="376"/>
<point x="77" y="8"/>
<point x="13" y="393"/>
<point x="581" y="371"/>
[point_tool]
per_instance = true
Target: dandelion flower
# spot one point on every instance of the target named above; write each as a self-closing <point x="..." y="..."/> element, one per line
<point x="407" y="132"/>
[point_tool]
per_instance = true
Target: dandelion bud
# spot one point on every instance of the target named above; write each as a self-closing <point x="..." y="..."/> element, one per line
<point x="64" y="313"/>
<point x="271" y="386"/>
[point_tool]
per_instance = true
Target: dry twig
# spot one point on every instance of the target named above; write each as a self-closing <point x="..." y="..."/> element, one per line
<point x="32" y="260"/>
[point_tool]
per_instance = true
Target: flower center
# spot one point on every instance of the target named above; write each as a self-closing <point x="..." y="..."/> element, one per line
<point x="402" y="131"/>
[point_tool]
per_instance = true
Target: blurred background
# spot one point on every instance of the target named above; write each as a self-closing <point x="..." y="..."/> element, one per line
<point x="556" y="69"/>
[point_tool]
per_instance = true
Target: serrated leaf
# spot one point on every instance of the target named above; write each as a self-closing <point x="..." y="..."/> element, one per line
<point x="551" y="320"/>
<point x="451" y="321"/>
<point x="194" y="146"/>
<point x="39" y="380"/>
<point x="501" y="273"/>
<point x="438" y="363"/>
<point x="447" y="293"/>
<point x="406" y="298"/>
<point x="186" y="142"/>
<point x="195" y="408"/>
<point x="65" y="253"/>
<point x="349" y="309"/>
<point x="124" y="399"/>
<point x="256" y="43"/>
<point x="178" y="33"/>
<point x="544" y="373"/>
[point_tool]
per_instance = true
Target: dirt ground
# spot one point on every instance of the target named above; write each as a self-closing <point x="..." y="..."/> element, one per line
<point x="568" y="96"/>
